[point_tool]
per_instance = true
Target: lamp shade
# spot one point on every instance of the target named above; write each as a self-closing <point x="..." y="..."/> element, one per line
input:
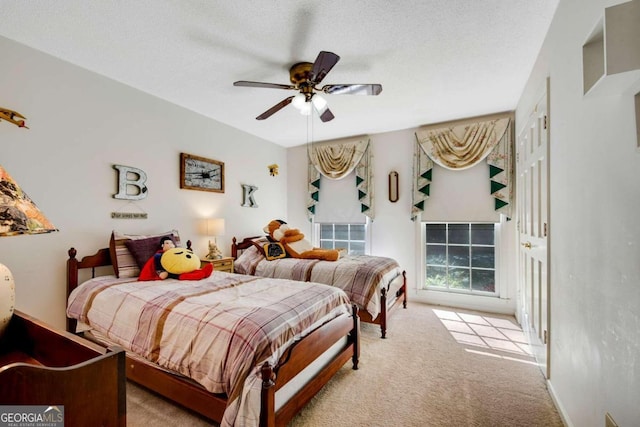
<point x="18" y="213"/>
<point x="303" y="104"/>
<point x="298" y="101"/>
<point x="213" y="227"/>
<point x="319" y="102"/>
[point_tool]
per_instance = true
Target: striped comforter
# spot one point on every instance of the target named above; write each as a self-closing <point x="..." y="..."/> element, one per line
<point x="360" y="276"/>
<point x="217" y="331"/>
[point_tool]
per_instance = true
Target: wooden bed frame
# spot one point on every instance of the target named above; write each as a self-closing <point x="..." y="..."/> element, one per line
<point x="386" y="304"/>
<point x="191" y="395"/>
<point x="43" y="366"/>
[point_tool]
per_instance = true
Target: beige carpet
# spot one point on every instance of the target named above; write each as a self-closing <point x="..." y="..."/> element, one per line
<point x="438" y="367"/>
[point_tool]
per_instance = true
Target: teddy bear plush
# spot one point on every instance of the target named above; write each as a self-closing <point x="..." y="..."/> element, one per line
<point x="176" y="263"/>
<point x="295" y="244"/>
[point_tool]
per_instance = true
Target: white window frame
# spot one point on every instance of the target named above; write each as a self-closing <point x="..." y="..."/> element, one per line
<point x="499" y="286"/>
<point x="367" y="234"/>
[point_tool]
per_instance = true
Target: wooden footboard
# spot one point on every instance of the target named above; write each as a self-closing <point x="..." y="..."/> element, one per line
<point x="387" y="305"/>
<point x="341" y="335"/>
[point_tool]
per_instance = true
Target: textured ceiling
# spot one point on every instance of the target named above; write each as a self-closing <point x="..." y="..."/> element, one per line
<point x="437" y="60"/>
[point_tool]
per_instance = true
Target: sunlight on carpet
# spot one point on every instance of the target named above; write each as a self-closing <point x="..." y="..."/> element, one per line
<point x="486" y="331"/>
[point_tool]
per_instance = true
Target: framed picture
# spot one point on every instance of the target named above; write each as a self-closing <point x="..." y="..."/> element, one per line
<point x="199" y="173"/>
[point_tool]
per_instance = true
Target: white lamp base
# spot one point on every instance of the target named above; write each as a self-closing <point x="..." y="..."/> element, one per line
<point x="7" y="297"/>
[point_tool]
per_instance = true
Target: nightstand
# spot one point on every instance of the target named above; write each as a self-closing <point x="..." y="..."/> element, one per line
<point x="222" y="264"/>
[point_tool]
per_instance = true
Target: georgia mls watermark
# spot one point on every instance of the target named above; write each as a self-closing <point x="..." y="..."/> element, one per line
<point x="31" y="416"/>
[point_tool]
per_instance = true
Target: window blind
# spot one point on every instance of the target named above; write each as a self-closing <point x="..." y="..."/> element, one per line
<point x="460" y="196"/>
<point x="339" y="201"/>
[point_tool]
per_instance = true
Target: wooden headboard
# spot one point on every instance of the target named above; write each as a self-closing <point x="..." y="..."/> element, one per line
<point x="102" y="258"/>
<point x="240" y="246"/>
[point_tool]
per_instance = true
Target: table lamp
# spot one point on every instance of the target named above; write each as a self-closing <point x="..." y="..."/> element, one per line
<point x="213" y="227"/>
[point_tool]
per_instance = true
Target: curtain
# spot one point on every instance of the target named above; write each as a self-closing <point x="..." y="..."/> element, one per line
<point x="337" y="160"/>
<point x="500" y="162"/>
<point x="422" y="173"/>
<point x="460" y="147"/>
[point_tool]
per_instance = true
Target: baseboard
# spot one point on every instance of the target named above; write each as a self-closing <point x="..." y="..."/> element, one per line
<point x="558" y="404"/>
<point x="464" y="301"/>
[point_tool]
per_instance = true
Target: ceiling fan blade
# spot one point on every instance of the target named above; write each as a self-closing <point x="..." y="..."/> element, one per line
<point x="279" y="106"/>
<point x="264" y="85"/>
<point x="322" y="65"/>
<point x="353" y="89"/>
<point x="325" y="114"/>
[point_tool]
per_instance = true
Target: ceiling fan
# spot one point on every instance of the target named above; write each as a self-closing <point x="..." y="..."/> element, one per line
<point x="305" y="76"/>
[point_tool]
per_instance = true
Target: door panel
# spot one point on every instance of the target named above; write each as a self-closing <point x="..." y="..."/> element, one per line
<point x="532" y="153"/>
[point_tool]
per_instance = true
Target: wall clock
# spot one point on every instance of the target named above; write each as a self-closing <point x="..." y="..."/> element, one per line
<point x="199" y="173"/>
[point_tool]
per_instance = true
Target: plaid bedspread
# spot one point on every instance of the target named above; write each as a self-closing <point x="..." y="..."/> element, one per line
<point x="361" y="276"/>
<point x="217" y="331"/>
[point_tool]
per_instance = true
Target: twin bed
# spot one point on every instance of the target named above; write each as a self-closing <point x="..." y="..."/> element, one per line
<point x="242" y="350"/>
<point x="375" y="284"/>
<point x="262" y="348"/>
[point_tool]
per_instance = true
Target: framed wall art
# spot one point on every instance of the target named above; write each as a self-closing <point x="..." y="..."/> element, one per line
<point x="199" y="173"/>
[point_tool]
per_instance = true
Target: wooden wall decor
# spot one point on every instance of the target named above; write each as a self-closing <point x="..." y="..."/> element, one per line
<point x="394" y="194"/>
<point x="200" y="173"/>
<point x="129" y="215"/>
<point x="12" y="117"/>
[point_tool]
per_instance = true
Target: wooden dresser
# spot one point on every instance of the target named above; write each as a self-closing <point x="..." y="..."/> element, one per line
<point x="42" y="366"/>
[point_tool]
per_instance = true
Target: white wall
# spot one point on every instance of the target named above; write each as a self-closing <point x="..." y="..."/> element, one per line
<point x="595" y="232"/>
<point x="394" y="234"/>
<point x="81" y="124"/>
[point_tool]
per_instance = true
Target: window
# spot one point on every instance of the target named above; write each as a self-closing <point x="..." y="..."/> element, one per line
<point x="351" y="237"/>
<point x="460" y="257"/>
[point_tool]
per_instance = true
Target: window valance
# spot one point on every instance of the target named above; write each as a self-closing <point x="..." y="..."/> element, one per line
<point x="462" y="146"/>
<point x="335" y="160"/>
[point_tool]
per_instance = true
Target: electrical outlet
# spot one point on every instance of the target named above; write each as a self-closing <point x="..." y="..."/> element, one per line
<point x="608" y="421"/>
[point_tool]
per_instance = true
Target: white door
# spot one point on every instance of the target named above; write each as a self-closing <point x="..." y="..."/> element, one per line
<point x="532" y="169"/>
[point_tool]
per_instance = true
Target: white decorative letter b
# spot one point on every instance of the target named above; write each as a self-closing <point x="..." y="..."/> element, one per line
<point x="137" y="183"/>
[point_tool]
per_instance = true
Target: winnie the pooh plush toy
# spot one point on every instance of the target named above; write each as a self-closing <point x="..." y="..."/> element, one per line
<point x="175" y="263"/>
<point x="295" y="244"/>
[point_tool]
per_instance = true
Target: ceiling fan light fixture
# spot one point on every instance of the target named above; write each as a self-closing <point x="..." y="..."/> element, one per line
<point x="319" y="102"/>
<point x="306" y="109"/>
<point x="302" y="104"/>
<point x="299" y="101"/>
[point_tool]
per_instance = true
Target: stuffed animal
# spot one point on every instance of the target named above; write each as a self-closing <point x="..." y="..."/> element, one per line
<point x="295" y="244"/>
<point x="214" y="252"/>
<point x="176" y="263"/>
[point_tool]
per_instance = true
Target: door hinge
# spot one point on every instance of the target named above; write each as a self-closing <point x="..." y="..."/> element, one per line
<point x="545" y="122"/>
<point x="545" y="230"/>
<point x="544" y="337"/>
